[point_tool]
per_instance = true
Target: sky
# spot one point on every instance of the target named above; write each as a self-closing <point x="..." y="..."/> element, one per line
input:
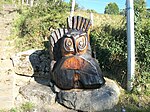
<point x="99" y="5"/>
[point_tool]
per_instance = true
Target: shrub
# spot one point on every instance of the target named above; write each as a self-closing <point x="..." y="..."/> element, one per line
<point x="34" y="23"/>
<point x="110" y="45"/>
<point x="142" y="36"/>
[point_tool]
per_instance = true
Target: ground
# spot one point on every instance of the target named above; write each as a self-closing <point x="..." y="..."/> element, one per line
<point x="7" y="16"/>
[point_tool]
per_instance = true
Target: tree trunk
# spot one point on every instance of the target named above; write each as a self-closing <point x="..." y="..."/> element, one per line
<point x="22" y="2"/>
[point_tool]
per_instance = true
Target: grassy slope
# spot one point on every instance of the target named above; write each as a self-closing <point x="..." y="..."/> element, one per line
<point x="101" y="19"/>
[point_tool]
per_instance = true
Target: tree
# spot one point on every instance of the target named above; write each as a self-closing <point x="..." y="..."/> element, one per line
<point x="112" y="8"/>
<point x="123" y="12"/>
<point x="140" y="9"/>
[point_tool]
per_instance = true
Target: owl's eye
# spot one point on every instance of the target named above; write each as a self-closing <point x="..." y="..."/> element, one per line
<point x="68" y="44"/>
<point x="82" y="42"/>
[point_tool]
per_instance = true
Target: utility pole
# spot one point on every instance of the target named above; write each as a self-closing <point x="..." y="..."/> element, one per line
<point x="27" y="2"/>
<point x="130" y="44"/>
<point x="91" y="18"/>
<point x="31" y="3"/>
<point x="71" y="13"/>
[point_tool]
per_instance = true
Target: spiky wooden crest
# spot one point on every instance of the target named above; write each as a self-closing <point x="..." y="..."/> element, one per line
<point x="79" y="23"/>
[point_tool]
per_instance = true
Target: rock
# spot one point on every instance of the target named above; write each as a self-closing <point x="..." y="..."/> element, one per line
<point x="32" y="63"/>
<point x="100" y="99"/>
<point x="38" y="94"/>
<point x="22" y="64"/>
<point x="54" y="108"/>
<point x="41" y="96"/>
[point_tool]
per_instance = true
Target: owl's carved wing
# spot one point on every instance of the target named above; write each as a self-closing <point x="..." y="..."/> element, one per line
<point x="56" y="35"/>
<point x="54" y="38"/>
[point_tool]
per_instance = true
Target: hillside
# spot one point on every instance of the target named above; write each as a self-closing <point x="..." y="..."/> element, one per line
<point x="102" y="19"/>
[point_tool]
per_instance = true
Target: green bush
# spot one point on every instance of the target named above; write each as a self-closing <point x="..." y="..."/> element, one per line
<point x="142" y="36"/>
<point x="34" y="23"/>
<point x="110" y="45"/>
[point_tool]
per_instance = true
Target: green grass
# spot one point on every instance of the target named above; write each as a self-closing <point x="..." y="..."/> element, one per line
<point x="25" y="107"/>
<point x="134" y="102"/>
<point x="5" y="2"/>
<point x="102" y="19"/>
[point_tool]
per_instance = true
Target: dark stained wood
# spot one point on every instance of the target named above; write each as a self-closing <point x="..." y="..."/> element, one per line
<point x="79" y="19"/>
<point x="79" y="23"/>
<point x="87" y="77"/>
<point x="74" y="22"/>
<point x="74" y="68"/>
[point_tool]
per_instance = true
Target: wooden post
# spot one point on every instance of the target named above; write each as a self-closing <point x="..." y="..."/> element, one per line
<point x="131" y="44"/>
<point x="71" y="13"/>
<point x="91" y="17"/>
<point x="27" y="2"/>
<point x="31" y="3"/>
<point x="72" y="8"/>
<point x="22" y="2"/>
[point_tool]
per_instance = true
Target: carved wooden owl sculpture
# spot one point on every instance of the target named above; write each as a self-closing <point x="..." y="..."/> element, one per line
<point x="74" y="67"/>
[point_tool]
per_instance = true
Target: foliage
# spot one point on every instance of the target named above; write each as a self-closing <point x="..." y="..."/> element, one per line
<point x="5" y="1"/>
<point x="91" y="11"/>
<point x="112" y="8"/>
<point x="132" y="102"/>
<point x="142" y="34"/>
<point x="25" y="107"/>
<point x="110" y="45"/>
<point x="139" y="9"/>
<point x="148" y="13"/>
<point x="123" y="12"/>
<point x="34" y="23"/>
